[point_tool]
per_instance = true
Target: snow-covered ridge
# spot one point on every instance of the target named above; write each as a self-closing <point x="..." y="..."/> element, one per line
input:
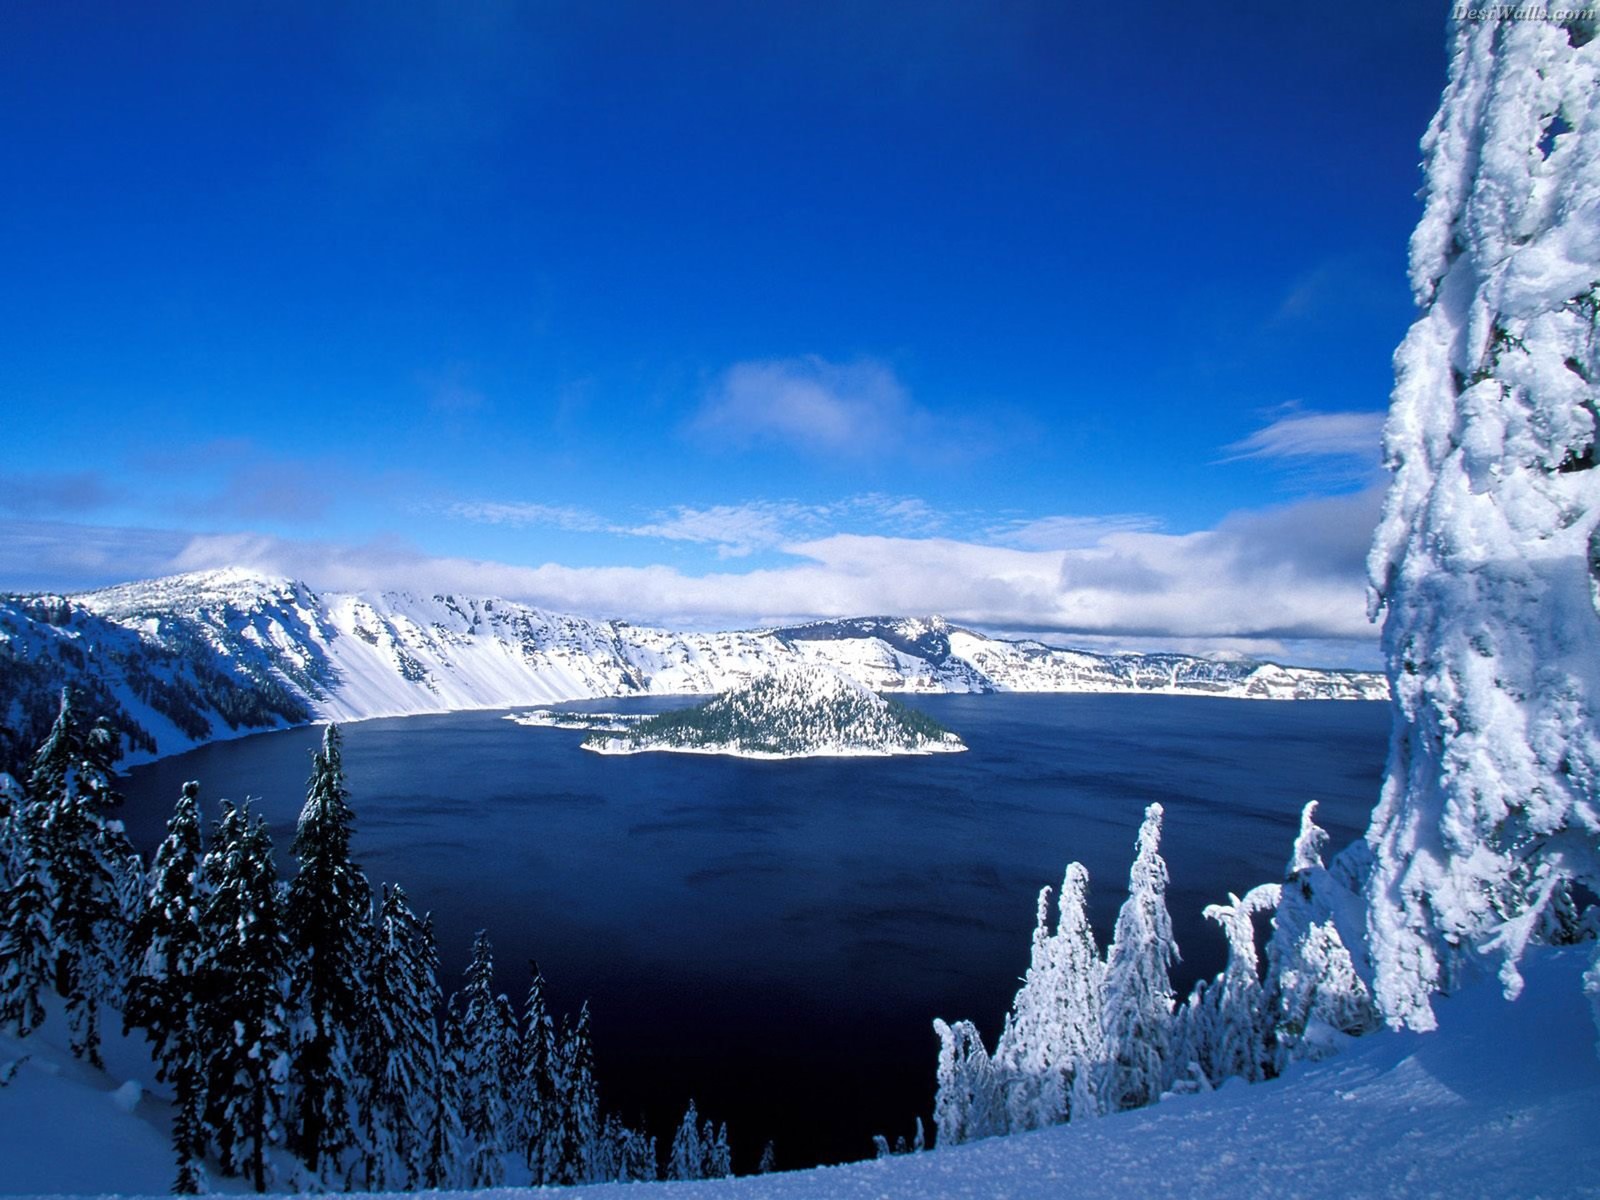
<point x="193" y="658"/>
<point x="806" y="711"/>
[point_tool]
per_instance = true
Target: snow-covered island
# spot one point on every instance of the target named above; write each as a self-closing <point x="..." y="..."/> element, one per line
<point x="797" y="712"/>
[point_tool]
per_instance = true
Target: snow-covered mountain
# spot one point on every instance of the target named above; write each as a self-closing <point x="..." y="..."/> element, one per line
<point x="803" y="711"/>
<point x="196" y="657"/>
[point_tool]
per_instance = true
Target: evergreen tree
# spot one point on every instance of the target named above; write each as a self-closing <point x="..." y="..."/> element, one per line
<point x="718" y="1160"/>
<point x="485" y="1115"/>
<point x="400" y="1045"/>
<point x="970" y="1103"/>
<point x="687" y="1157"/>
<point x="1052" y="1035"/>
<point x="328" y="916"/>
<point x="86" y="857"/>
<point x="769" y="1155"/>
<point x="1138" y="988"/>
<point x="27" y="918"/>
<point x="538" y="1105"/>
<point x="443" y="1164"/>
<point x="243" y="984"/>
<point x="1236" y="1044"/>
<point x="580" y="1117"/>
<point x="1313" y="983"/>
<point x="164" y="998"/>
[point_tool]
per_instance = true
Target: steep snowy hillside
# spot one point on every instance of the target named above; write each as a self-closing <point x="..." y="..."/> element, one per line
<point x="195" y="657"/>
<point x="797" y="712"/>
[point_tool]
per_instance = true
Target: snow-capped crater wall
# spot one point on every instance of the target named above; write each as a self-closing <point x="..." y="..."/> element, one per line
<point x="1484" y="562"/>
<point x="195" y="657"/>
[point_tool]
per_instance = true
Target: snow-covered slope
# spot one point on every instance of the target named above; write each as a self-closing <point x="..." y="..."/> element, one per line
<point x="1502" y="1101"/>
<point x="196" y="657"/>
<point x="806" y="711"/>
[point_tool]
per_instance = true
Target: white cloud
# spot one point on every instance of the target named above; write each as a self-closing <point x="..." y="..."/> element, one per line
<point x="811" y="404"/>
<point x="1261" y="580"/>
<point x="486" y="512"/>
<point x="1315" y="435"/>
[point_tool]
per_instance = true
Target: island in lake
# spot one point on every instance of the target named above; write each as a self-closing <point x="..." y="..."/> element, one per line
<point x="798" y="712"/>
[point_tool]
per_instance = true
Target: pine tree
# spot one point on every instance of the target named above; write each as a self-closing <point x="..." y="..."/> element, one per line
<point x="443" y="1163"/>
<point x="1313" y="983"/>
<point x="1237" y="1041"/>
<point x="687" y="1156"/>
<point x="86" y="857"/>
<point x="400" y="1045"/>
<point x="1052" y="1035"/>
<point x="538" y="1105"/>
<point x="718" y="1160"/>
<point x="1138" y="987"/>
<point x="328" y="916"/>
<point x="1485" y="560"/>
<point x="27" y="918"/>
<point x="164" y="997"/>
<point x="970" y="1102"/>
<point x="580" y="1116"/>
<point x="769" y="1155"/>
<point x="485" y="1115"/>
<point x="244" y="983"/>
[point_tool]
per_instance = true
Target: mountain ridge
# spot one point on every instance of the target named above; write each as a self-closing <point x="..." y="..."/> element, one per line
<point x="187" y="659"/>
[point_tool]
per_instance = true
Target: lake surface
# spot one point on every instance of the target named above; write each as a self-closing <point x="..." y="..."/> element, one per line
<point x="774" y="938"/>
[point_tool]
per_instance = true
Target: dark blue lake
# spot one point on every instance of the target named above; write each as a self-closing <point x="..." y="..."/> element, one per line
<point x="774" y="938"/>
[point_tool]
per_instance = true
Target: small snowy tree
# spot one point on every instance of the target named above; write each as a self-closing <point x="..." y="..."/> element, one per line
<point x="484" y="1036"/>
<point x="328" y="916"/>
<point x="77" y="862"/>
<point x="1052" y="1035"/>
<point x="536" y="1104"/>
<point x="1137" y="1018"/>
<point x="1236" y="1044"/>
<point x="970" y="1102"/>
<point x="400" y="1047"/>
<point x="243" y="974"/>
<point x="1486" y="562"/>
<point x="687" y="1156"/>
<point x="164" y="997"/>
<point x="1313" y="982"/>
<point x="580" y="1105"/>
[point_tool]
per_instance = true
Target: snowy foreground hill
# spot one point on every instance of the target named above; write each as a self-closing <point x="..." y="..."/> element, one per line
<point x="197" y="657"/>
<point x="1503" y="1100"/>
<point x="809" y="711"/>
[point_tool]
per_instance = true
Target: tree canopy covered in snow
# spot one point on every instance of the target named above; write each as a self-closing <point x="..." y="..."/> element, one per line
<point x="1487" y="557"/>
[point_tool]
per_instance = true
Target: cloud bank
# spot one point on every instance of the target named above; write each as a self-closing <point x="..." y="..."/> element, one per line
<point x="1260" y="581"/>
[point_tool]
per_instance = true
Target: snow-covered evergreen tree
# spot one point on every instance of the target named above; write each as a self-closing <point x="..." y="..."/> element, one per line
<point x="971" y="1101"/>
<point x="444" y="1159"/>
<point x="481" y="1017"/>
<point x="580" y="1105"/>
<point x="1236" y="1042"/>
<point x="769" y="1156"/>
<point x="537" y="1104"/>
<point x="718" y="1160"/>
<point x="687" y="1157"/>
<point x="27" y="918"/>
<point x="1137" y="1019"/>
<point x="1486" y="562"/>
<point x="400" y="1045"/>
<point x="328" y="916"/>
<point x="1314" y="984"/>
<point x="243" y="988"/>
<point x="1052" y="1036"/>
<point x="166" y="950"/>
<point x="71" y="882"/>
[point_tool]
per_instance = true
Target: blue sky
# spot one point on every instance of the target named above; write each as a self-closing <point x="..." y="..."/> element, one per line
<point x="1051" y="317"/>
